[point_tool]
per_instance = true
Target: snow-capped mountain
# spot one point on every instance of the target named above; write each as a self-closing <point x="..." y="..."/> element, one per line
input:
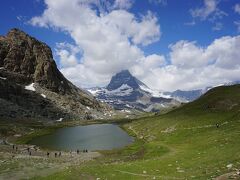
<point x="127" y="92"/>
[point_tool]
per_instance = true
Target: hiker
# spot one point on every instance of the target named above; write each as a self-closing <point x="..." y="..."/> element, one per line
<point x="48" y="154"/>
<point x="5" y="142"/>
<point x="59" y="154"/>
<point x="217" y="125"/>
<point x="55" y="154"/>
<point x="86" y="150"/>
<point x="77" y="151"/>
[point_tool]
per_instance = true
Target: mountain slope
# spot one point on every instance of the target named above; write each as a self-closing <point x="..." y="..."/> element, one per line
<point x="182" y="144"/>
<point x="191" y="95"/>
<point x="124" y="77"/>
<point x="126" y="92"/>
<point x="26" y="62"/>
<point x="218" y="99"/>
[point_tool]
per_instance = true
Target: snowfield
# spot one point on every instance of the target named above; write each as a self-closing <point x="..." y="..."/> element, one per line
<point x="3" y="78"/>
<point x="43" y="95"/>
<point x="154" y="93"/>
<point x="30" y="87"/>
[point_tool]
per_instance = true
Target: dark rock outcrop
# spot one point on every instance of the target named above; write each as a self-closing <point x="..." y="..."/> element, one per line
<point x="26" y="56"/>
<point x="123" y="77"/>
<point x="24" y="60"/>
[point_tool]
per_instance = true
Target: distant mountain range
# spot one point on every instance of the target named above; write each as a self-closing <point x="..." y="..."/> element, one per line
<point x="127" y="92"/>
<point x="31" y="86"/>
<point x="191" y="95"/>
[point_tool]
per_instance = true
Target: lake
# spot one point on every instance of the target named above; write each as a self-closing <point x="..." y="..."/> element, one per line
<point x="91" y="137"/>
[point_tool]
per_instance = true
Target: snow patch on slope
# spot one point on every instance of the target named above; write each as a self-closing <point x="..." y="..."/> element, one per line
<point x="59" y="120"/>
<point x="94" y="92"/>
<point x="3" y="78"/>
<point x="30" y="87"/>
<point x="123" y="90"/>
<point x="154" y="93"/>
<point x="43" y="95"/>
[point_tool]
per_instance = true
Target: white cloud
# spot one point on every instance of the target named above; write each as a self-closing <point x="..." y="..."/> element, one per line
<point x="153" y="61"/>
<point x="225" y="52"/>
<point x="187" y="54"/>
<point x="237" y="8"/>
<point x="209" y="11"/>
<point x="209" y="7"/>
<point x="122" y="4"/>
<point x="67" y="54"/>
<point x="222" y="52"/>
<point x="193" y="66"/>
<point x="110" y="40"/>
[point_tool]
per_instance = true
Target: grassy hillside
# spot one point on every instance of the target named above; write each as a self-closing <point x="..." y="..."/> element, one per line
<point x="184" y="143"/>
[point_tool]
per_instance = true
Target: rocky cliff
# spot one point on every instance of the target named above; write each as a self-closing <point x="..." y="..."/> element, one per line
<point x="32" y="86"/>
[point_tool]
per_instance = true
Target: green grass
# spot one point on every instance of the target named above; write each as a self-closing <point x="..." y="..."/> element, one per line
<point x="184" y="143"/>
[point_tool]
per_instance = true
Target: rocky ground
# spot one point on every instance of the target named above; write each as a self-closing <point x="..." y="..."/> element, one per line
<point x="19" y="164"/>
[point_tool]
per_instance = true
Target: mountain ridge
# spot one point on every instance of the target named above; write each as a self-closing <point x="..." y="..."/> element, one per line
<point x="24" y="62"/>
<point x="127" y="92"/>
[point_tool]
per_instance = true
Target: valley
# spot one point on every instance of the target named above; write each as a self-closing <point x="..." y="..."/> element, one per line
<point x="185" y="143"/>
<point x="52" y="129"/>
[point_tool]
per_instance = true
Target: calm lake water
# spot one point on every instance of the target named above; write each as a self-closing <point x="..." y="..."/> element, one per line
<point x="91" y="137"/>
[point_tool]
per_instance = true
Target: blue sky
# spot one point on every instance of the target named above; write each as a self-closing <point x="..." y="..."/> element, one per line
<point x="198" y="22"/>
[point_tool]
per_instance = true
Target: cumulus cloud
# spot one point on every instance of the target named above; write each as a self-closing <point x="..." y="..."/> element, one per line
<point x="108" y="40"/>
<point x="186" y="54"/>
<point x="193" y="66"/>
<point x="67" y="54"/>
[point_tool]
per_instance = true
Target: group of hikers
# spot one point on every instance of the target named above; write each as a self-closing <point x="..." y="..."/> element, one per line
<point x="14" y="147"/>
<point x="59" y="154"/>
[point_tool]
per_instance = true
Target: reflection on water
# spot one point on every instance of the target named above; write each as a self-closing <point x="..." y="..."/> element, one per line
<point x="91" y="137"/>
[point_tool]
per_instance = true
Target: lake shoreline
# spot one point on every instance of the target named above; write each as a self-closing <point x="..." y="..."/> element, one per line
<point x="94" y="137"/>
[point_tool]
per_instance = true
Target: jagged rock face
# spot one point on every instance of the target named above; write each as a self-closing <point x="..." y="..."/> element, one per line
<point x="26" y="56"/>
<point x="123" y="77"/>
<point x="25" y="60"/>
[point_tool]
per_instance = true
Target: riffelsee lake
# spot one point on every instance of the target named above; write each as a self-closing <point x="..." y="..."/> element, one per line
<point x="91" y="137"/>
